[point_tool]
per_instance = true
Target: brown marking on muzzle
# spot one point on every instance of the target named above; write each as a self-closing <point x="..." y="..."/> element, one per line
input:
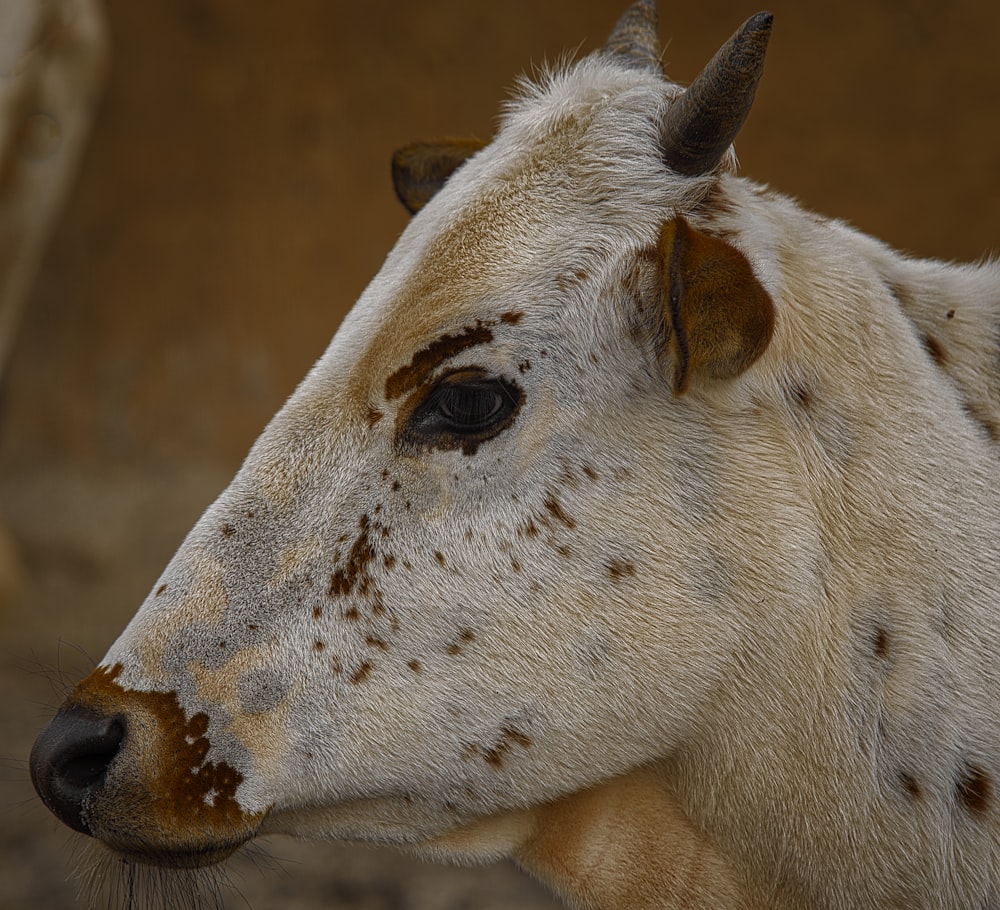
<point x="183" y="805"/>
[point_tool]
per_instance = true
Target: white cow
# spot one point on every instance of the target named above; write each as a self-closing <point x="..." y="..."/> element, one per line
<point x="636" y="524"/>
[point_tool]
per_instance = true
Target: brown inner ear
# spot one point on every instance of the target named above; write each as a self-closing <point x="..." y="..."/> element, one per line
<point x="720" y="316"/>
<point x="420" y="169"/>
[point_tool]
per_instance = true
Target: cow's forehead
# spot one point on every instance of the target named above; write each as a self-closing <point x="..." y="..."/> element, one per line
<point x="558" y="185"/>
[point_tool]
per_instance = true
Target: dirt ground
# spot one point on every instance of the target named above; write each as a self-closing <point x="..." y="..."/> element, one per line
<point x="233" y="203"/>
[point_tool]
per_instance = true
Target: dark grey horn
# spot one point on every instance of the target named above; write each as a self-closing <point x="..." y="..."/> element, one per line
<point x="702" y="123"/>
<point x="635" y="39"/>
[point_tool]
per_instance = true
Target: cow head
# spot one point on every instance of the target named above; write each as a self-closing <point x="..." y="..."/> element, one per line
<point x="476" y="562"/>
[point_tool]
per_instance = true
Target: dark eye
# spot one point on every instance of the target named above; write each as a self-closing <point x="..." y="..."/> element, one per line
<point x="463" y="410"/>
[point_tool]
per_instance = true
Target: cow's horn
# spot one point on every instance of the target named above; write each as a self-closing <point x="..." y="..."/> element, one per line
<point x="634" y="39"/>
<point x="702" y="123"/>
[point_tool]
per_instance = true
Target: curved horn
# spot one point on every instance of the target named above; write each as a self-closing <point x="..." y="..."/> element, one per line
<point x="702" y="123"/>
<point x="635" y="40"/>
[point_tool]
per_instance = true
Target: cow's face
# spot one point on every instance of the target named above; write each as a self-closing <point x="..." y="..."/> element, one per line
<point x="476" y="542"/>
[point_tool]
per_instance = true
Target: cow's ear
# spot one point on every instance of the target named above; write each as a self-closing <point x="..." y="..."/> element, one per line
<point x="719" y="316"/>
<point x="420" y="169"/>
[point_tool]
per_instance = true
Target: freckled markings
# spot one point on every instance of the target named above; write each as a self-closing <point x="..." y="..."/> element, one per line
<point x="620" y="568"/>
<point x="974" y="789"/>
<point x="354" y="573"/>
<point x="465" y="636"/>
<point x="553" y="507"/>
<point x="495" y="755"/>
<point x="362" y="673"/>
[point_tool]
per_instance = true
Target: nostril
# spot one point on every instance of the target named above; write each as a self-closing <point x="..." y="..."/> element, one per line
<point x="85" y="764"/>
<point x="71" y="758"/>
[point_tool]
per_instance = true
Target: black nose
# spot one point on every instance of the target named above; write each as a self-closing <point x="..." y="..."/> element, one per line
<point x="70" y="759"/>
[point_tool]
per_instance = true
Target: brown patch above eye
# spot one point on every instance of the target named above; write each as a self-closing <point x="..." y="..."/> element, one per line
<point x="425" y="361"/>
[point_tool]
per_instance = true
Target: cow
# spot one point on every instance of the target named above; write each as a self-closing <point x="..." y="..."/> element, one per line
<point x="637" y="525"/>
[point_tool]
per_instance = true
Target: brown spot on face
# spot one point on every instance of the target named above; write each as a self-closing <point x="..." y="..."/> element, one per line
<point x="590" y="473"/>
<point x="389" y="561"/>
<point x="524" y="366"/>
<point x="620" y="568"/>
<point x="515" y="565"/>
<point x="564" y="551"/>
<point x="354" y="573"/>
<point x="249" y="514"/>
<point x="802" y="395"/>
<point x="465" y="636"/>
<point x="509" y="737"/>
<point x="318" y="645"/>
<point x="974" y="789"/>
<point x="362" y="673"/>
<point x="374" y="641"/>
<point x="162" y="589"/>
<point x="414" y="665"/>
<point x="425" y="361"/>
<point x="950" y="314"/>
<point x="317" y="612"/>
<point x="512" y="317"/>
<point x="227" y="531"/>
<point x="910" y="785"/>
<point x="373" y="416"/>
<point x="439" y="556"/>
<point x="553" y="507"/>
<point x="396" y="486"/>
<point x="881" y="643"/>
<point x="936" y="350"/>
<point x="352" y="614"/>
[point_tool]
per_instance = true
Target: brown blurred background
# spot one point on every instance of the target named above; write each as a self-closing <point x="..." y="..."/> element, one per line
<point x="233" y="202"/>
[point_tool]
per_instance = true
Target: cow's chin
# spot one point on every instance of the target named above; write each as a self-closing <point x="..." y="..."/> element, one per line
<point x="412" y="825"/>
<point x="196" y="858"/>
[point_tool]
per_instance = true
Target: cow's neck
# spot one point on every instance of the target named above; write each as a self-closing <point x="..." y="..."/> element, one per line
<point x="627" y="843"/>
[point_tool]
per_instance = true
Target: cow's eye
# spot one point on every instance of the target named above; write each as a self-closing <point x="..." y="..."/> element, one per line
<point x="464" y="409"/>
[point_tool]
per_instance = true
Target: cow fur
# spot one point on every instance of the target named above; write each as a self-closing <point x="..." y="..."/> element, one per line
<point x="729" y="641"/>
